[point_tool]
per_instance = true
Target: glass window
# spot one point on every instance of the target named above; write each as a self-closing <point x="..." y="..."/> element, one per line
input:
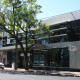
<point x="36" y="36"/>
<point x="57" y="26"/>
<point x="67" y="25"/>
<point x="44" y="41"/>
<point x="41" y="59"/>
<point x="35" y="59"/>
<point x="60" y="57"/>
<point x="4" y="41"/>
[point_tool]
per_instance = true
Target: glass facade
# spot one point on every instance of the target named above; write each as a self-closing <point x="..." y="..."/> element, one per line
<point x="59" y="33"/>
<point x="57" y="57"/>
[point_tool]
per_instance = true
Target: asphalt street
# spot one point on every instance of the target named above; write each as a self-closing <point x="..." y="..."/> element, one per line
<point x="5" y="75"/>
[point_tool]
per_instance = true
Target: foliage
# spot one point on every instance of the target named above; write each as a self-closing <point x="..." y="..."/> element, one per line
<point x="20" y="16"/>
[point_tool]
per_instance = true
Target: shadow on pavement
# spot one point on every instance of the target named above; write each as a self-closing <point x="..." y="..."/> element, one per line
<point x="38" y="72"/>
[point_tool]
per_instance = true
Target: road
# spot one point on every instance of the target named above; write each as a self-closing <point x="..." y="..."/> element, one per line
<point x="4" y="75"/>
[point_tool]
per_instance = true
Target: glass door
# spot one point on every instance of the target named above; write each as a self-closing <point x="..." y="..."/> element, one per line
<point x="36" y="62"/>
<point x="41" y="61"/>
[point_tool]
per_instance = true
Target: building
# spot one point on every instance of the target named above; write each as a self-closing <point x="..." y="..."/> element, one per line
<point x="60" y="49"/>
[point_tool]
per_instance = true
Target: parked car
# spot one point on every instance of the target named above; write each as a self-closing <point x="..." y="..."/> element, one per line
<point x="2" y="66"/>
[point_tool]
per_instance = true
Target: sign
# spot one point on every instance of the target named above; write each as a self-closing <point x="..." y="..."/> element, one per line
<point x="72" y="48"/>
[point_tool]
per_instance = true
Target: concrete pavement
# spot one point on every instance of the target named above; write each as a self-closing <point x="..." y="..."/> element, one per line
<point x="45" y="72"/>
<point x="11" y="75"/>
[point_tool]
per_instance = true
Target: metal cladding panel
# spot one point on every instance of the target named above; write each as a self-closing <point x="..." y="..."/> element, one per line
<point x="77" y="57"/>
<point x="76" y="14"/>
<point x="63" y="18"/>
<point x="72" y="60"/>
<point x="59" y="19"/>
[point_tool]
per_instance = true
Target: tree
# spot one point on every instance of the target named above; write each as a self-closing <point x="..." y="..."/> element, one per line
<point x="20" y="16"/>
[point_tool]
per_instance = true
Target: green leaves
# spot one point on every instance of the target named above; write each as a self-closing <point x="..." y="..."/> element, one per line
<point x="20" y="15"/>
<point x="22" y="26"/>
<point x="47" y="27"/>
<point x="17" y="28"/>
<point x="32" y="1"/>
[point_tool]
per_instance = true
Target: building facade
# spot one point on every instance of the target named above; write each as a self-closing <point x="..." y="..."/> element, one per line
<point x="60" y="48"/>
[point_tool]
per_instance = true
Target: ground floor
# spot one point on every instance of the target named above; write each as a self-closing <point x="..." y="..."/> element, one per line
<point x="58" y="57"/>
<point x="65" y="54"/>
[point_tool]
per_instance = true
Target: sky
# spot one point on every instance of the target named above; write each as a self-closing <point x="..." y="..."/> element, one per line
<point x="56" y="7"/>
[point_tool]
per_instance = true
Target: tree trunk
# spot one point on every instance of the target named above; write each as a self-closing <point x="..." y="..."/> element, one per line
<point x="26" y="64"/>
<point x="26" y="60"/>
<point x="16" y="57"/>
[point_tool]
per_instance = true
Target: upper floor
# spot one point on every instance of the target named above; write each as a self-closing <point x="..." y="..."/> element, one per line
<point x="63" y="28"/>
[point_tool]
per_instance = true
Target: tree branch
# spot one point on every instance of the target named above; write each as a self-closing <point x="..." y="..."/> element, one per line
<point x="4" y="28"/>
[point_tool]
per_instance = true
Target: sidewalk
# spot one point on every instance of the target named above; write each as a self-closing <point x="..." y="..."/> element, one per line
<point x="45" y="72"/>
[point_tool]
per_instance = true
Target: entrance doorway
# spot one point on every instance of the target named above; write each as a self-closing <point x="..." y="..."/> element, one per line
<point x="56" y="57"/>
<point x="59" y="57"/>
